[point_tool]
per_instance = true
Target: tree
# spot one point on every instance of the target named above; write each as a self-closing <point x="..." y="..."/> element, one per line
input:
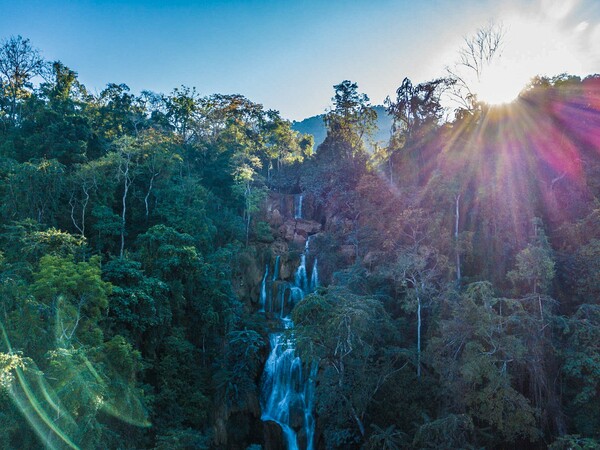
<point x="181" y="108"/>
<point x="353" y="338"/>
<point x="283" y="145"/>
<point x="74" y="294"/>
<point x="477" y="54"/>
<point x="65" y="84"/>
<point x="534" y="264"/>
<point x="581" y="368"/>
<point x="417" y="272"/>
<point x="416" y="115"/>
<point x="118" y="113"/>
<point x="478" y="352"/>
<point x="187" y="206"/>
<point x="351" y="118"/>
<point x="33" y="190"/>
<point x="54" y="124"/>
<point x="19" y="63"/>
<point x="417" y="109"/>
<point x="138" y="304"/>
<point x="126" y="159"/>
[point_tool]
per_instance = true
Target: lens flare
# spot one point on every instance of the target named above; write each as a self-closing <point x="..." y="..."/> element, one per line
<point x="530" y="47"/>
<point x="76" y="382"/>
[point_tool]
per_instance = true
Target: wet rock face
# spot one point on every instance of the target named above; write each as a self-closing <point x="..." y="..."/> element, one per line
<point x="291" y="216"/>
<point x="280" y="207"/>
<point x="290" y="231"/>
<point x="297" y="414"/>
<point x="276" y="218"/>
<point x="273" y="436"/>
<point x="298" y="230"/>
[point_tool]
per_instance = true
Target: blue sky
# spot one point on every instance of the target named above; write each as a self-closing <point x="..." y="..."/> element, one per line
<point x="285" y="54"/>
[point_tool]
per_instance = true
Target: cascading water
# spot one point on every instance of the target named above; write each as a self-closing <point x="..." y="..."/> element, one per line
<point x="282" y="291"/>
<point x="298" y="206"/>
<point x="263" y="290"/>
<point x="301" y="279"/>
<point x="314" y="278"/>
<point x="276" y="268"/>
<point x="287" y="390"/>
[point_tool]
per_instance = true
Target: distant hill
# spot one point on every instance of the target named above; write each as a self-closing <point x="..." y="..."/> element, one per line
<point x="316" y="126"/>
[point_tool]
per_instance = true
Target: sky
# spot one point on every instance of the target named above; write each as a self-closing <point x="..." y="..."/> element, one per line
<point x="287" y="54"/>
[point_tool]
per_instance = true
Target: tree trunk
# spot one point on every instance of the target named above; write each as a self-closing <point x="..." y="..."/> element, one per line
<point x="248" y="193"/>
<point x="457" y="250"/>
<point x="84" y="208"/>
<point x="123" y="219"/>
<point x="126" y="184"/>
<point x="418" y="336"/>
<point x="148" y="194"/>
<point x="357" y="419"/>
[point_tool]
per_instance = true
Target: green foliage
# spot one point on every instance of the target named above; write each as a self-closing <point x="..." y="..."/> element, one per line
<point x="189" y="207"/>
<point x="9" y="362"/>
<point x="168" y="254"/>
<point x="416" y="111"/>
<point x="33" y="190"/>
<point x="574" y="442"/>
<point x="137" y="302"/>
<point x="182" y="399"/>
<point x="351" y="117"/>
<point x="183" y="439"/>
<point x="236" y="380"/>
<point x="54" y="126"/>
<point x="388" y="439"/>
<point x="52" y="242"/>
<point x="581" y="368"/>
<point x="477" y="346"/>
<point x="587" y="267"/>
<point x="353" y="338"/>
<point x="75" y="294"/>
<point x="534" y="267"/>
<point x="449" y="432"/>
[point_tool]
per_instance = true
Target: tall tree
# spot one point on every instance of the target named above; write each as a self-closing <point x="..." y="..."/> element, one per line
<point x="19" y="63"/>
<point x="474" y="58"/>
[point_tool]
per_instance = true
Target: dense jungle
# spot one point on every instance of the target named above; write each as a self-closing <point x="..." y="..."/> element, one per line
<point x="187" y="271"/>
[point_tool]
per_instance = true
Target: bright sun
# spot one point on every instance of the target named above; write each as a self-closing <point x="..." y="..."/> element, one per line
<point x="501" y="83"/>
<point x="530" y="48"/>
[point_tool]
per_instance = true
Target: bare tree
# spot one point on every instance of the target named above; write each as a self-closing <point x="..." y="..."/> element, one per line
<point x="127" y="164"/>
<point x="477" y="54"/>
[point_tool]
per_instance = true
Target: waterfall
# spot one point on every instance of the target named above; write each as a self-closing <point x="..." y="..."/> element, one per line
<point x="314" y="278"/>
<point x="263" y="290"/>
<point x="276" y="268"/>
<point x="291" y="394"/>
<point x="282" y="292"/>
<point x="296" y="294"/>
<point x="301" y="278"/>
<point x="298" y="206"/>
<point x="287" y="395"/>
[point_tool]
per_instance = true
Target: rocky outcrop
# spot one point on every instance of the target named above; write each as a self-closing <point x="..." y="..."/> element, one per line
<point x="298" y="230"/>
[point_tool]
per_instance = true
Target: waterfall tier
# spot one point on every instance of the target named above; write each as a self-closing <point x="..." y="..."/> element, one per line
<point x="298" y="206"/>
<point x="288" y="390"/>
<point x="288" y="393"/>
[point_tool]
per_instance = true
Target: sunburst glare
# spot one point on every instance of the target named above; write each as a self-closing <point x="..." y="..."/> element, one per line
<point x="530" y="47"/>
